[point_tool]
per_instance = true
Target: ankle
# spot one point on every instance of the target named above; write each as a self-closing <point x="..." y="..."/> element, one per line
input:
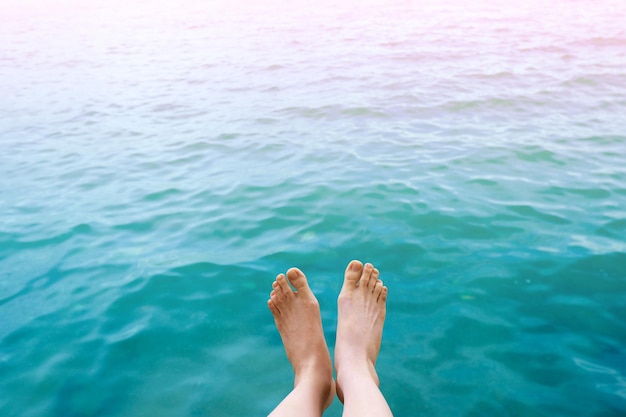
<point x="352" y="380"/>
<point x="316" y="373"/>
<point x="318" y="381"/>
<point x="355" y="370"/>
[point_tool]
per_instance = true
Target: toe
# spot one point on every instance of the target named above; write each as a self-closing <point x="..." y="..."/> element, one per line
<point x="353" y="274"/>
<point x="383" y="295"/>
<point x="273" y="307"/>
<point x="283" y="286"/>
<point x="297" y="279"/>
<point x="378" y="289"/>
<point x="374" y="279"/>
<point x="366" y="276"/>
<point x="276" y="301"/>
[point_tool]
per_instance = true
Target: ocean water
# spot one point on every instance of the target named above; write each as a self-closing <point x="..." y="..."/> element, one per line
<point x="161" y="162"/>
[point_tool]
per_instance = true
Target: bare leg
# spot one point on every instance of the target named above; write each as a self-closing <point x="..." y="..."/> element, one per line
<point x="298" y="319"/>
<point x="362" y="309"/>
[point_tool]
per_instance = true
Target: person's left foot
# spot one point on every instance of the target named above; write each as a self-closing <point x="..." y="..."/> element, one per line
<point x="298" y="319"/>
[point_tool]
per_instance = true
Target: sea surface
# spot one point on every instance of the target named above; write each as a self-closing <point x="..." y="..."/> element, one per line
<point x="161" y="161"/>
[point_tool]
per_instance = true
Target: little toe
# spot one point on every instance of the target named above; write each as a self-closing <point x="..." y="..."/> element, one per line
<point x="297" y="279"/>
<point x="273" y="307"/>
<point x="277" y="299"/>
<point x="383" y="295"/>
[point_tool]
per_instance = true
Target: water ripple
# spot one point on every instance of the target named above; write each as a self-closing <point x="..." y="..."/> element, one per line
<point x="156" y="177"/>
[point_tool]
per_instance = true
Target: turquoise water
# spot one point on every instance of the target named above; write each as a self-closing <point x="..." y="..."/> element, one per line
<point x="161" y="163"/>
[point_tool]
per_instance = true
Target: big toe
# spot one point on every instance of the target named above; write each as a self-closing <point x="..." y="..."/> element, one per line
<point x="297" y="279"/>
<point x="353" y="274"/>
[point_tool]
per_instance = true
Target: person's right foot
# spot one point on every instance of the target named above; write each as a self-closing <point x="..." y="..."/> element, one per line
<point x="362" y="310"/>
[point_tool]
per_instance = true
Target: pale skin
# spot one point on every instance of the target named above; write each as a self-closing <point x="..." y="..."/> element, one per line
<point x="361" y="316"/>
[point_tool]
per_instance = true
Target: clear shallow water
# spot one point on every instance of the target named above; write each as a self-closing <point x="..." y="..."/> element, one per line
<point x="159" y="165"/>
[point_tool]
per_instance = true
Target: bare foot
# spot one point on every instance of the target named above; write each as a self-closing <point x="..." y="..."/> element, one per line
<point x="298" y="319"/>
<point x="362" y="310"/>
